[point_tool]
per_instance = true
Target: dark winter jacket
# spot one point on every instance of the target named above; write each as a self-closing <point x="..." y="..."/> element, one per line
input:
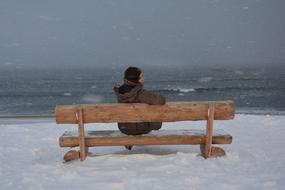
<point x="131" y="92"/>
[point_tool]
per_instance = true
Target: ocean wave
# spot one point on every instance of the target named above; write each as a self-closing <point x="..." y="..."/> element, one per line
<point x="208" y="89"/>
<point x="180" y="90"/>
<point x="67" y="94"/>
<point x="92" y="98"/>
<point x="205" y="79"/>
<point x="258" y="111"/>
<point x="34" y="95"/>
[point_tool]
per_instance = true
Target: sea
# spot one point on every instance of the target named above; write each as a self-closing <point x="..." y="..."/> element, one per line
<point x="34" y="92"/>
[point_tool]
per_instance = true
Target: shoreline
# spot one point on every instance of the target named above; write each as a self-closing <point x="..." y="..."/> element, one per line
<point x="26" y="116"/>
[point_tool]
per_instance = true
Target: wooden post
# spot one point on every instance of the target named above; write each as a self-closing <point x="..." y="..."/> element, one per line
<point x="80" y="119"/>
<point x="208" y="144"/>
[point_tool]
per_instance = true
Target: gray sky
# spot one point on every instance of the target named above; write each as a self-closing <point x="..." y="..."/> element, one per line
<point x="152" y="32"/>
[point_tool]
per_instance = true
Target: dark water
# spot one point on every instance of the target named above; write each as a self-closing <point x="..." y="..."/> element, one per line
<point x="35" y="91"/>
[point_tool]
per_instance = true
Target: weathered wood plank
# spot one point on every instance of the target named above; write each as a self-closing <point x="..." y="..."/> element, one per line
<point x="162" y="137"/>
<point x="138" y="112"/>
<point x="209" y="137"/>
<point x="81" y="136"/>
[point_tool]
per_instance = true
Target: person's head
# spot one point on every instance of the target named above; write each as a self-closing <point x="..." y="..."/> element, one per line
<point x="134" y="74"/>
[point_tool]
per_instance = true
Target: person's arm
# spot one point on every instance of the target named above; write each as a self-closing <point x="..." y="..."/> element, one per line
<point x="150" y="98"/>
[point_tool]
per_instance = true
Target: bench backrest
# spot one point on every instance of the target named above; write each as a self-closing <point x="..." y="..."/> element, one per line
<point x="139" y="112"/>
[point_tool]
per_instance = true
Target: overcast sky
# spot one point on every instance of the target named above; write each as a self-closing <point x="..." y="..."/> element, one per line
<point x="152" y="32"/>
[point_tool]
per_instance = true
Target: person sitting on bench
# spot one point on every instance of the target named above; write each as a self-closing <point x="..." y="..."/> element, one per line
<point x="132" y="91"/>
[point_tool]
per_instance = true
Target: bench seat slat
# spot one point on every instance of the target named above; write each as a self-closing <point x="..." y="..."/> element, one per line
<point x="162" y="137"/>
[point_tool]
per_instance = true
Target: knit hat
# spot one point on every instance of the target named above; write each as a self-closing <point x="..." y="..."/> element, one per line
<point x="132" y="74"/>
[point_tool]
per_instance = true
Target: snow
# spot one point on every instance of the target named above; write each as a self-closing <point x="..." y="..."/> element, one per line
<point x="31" y="159"/>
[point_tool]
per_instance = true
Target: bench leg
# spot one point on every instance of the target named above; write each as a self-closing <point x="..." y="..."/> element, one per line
<point x="71" y="155"/>
<point x="81" y="134"/>
<point x="209" y="132"/>
<point x="215" y="151"/>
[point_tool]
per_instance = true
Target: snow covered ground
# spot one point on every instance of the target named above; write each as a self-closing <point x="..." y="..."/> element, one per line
<point x="31" y="159"/>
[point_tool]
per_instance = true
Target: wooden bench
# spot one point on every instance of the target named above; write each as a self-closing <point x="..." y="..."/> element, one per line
<point x="138" y="112"/>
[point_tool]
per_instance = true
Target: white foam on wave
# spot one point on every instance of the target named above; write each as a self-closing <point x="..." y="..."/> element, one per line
<point x="185" y="90"/>
<point x="67" y="94"/>
<point x="181" y="90"/>
<point x="205" y="79"/>
<point x="92" y="98"/>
